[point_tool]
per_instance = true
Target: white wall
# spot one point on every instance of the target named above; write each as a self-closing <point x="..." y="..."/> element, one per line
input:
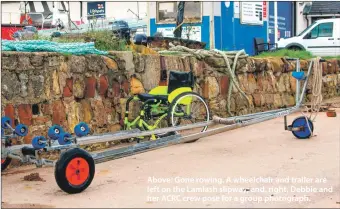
<point x="10" y="12"/>
<point x="301" y="22"/>
<point x="119" y="10"/>
<point x="75" y="10"/>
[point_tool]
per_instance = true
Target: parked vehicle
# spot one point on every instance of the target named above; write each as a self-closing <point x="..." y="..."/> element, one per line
<point x="120" y="28"/>
<point x="26" y="33"/>
<point x="140" y="39"/>
<point x="58" y="22"/>
<point x="322" y="38"/>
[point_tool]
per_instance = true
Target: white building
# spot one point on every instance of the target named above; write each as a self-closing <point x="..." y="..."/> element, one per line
<point x="308" y="12"/>
<point x="79" y="11"/>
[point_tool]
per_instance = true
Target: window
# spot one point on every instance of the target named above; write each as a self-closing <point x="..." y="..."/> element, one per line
<point x="35" y="109"/>
<point x="326" y="30"/>
<point x="310" y="26"/>
<point x="30" y="29"/>
<point x="167" y="12"/>
<point x="50" y="16"/>
<point x="192" y="12"/>
<point x="321" y="30"/>
<point x="314" y="32"/>
<point x="119" y="25"/>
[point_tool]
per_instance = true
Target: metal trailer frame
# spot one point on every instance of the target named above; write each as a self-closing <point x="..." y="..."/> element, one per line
<point x="27" y="154"/>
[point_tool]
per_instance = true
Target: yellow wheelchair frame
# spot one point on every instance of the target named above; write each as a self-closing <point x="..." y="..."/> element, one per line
<point x="155" y="105"/>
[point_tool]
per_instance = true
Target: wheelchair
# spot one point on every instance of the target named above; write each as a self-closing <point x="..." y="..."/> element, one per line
<point x="165" y="106"/>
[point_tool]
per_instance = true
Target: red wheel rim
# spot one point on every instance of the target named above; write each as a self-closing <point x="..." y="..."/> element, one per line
<point x="3" y="160"/>
<point x="77" y="171"/>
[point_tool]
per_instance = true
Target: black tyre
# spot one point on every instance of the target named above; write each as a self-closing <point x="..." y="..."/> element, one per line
<point x="295" y="48"/>
<point x="74" y="170"/>
<point x="199" y="112"/>
<point x="5" y="163"/>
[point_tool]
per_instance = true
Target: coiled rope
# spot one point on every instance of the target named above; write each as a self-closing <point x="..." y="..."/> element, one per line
<point x="230" y="70"/>
<point x="232" y="77"/>
<point x="317" y="88"/>
<point x="49" y="46"/>
<point x="316" y="100"/>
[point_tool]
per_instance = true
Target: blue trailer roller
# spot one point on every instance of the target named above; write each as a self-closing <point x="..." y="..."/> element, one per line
<point x="54" y="132"/>
<point x="21" y="130"/>
<point x="82" y="129"/>
<point x="5" y="121"/>
<point x="64" y="138"/>
<point x="39" y="142"/>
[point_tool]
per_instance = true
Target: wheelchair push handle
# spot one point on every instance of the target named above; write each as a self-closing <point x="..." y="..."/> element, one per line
<point x="127" y="105"/>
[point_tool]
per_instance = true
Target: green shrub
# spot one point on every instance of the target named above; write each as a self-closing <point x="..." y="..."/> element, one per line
<point x="287" y="53"/>
<point x="293" y="54"/>
<point x="104" y="40"/>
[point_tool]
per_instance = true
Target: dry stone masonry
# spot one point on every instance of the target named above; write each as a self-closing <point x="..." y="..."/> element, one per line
<point x="41" y="89"/>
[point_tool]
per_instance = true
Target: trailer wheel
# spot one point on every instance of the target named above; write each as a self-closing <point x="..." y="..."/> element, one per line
<point x="74" y="170"/>
<point x="302" y="134"/>
<point x="5" y="163"/>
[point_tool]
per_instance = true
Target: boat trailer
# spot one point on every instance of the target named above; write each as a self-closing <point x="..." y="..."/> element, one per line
<point x="75" y="168"/>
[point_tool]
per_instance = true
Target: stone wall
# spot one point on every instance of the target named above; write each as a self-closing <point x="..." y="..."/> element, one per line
<point x="41" y="89"/>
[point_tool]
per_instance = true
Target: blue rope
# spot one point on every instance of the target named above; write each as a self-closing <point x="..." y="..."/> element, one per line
<point x="48" y="46"/>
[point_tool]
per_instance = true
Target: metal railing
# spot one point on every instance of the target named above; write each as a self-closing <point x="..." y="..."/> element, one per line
<point x="10" y="17"/>
<point x="96" y="22"/>
<point x="14" y="18"/>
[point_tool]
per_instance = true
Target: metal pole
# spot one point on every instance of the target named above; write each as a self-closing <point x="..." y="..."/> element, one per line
<point x="275" y="22"/>
<point x="136" y="133"/>
<point x="234" y="43"/>
<point x="231" y="127"/>
<point x="212" y="27"/>
<point x="305" y="83"/>
<point x="69" y="15"/>
<point x="148" y="19"/>
<point x="297" y="82"/>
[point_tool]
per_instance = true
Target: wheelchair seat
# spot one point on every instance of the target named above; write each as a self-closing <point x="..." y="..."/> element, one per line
<point x="180" y="79"/>
<point x="143" y="97"/>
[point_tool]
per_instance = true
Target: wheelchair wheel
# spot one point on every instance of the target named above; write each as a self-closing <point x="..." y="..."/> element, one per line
<point x="188" y="108"/>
